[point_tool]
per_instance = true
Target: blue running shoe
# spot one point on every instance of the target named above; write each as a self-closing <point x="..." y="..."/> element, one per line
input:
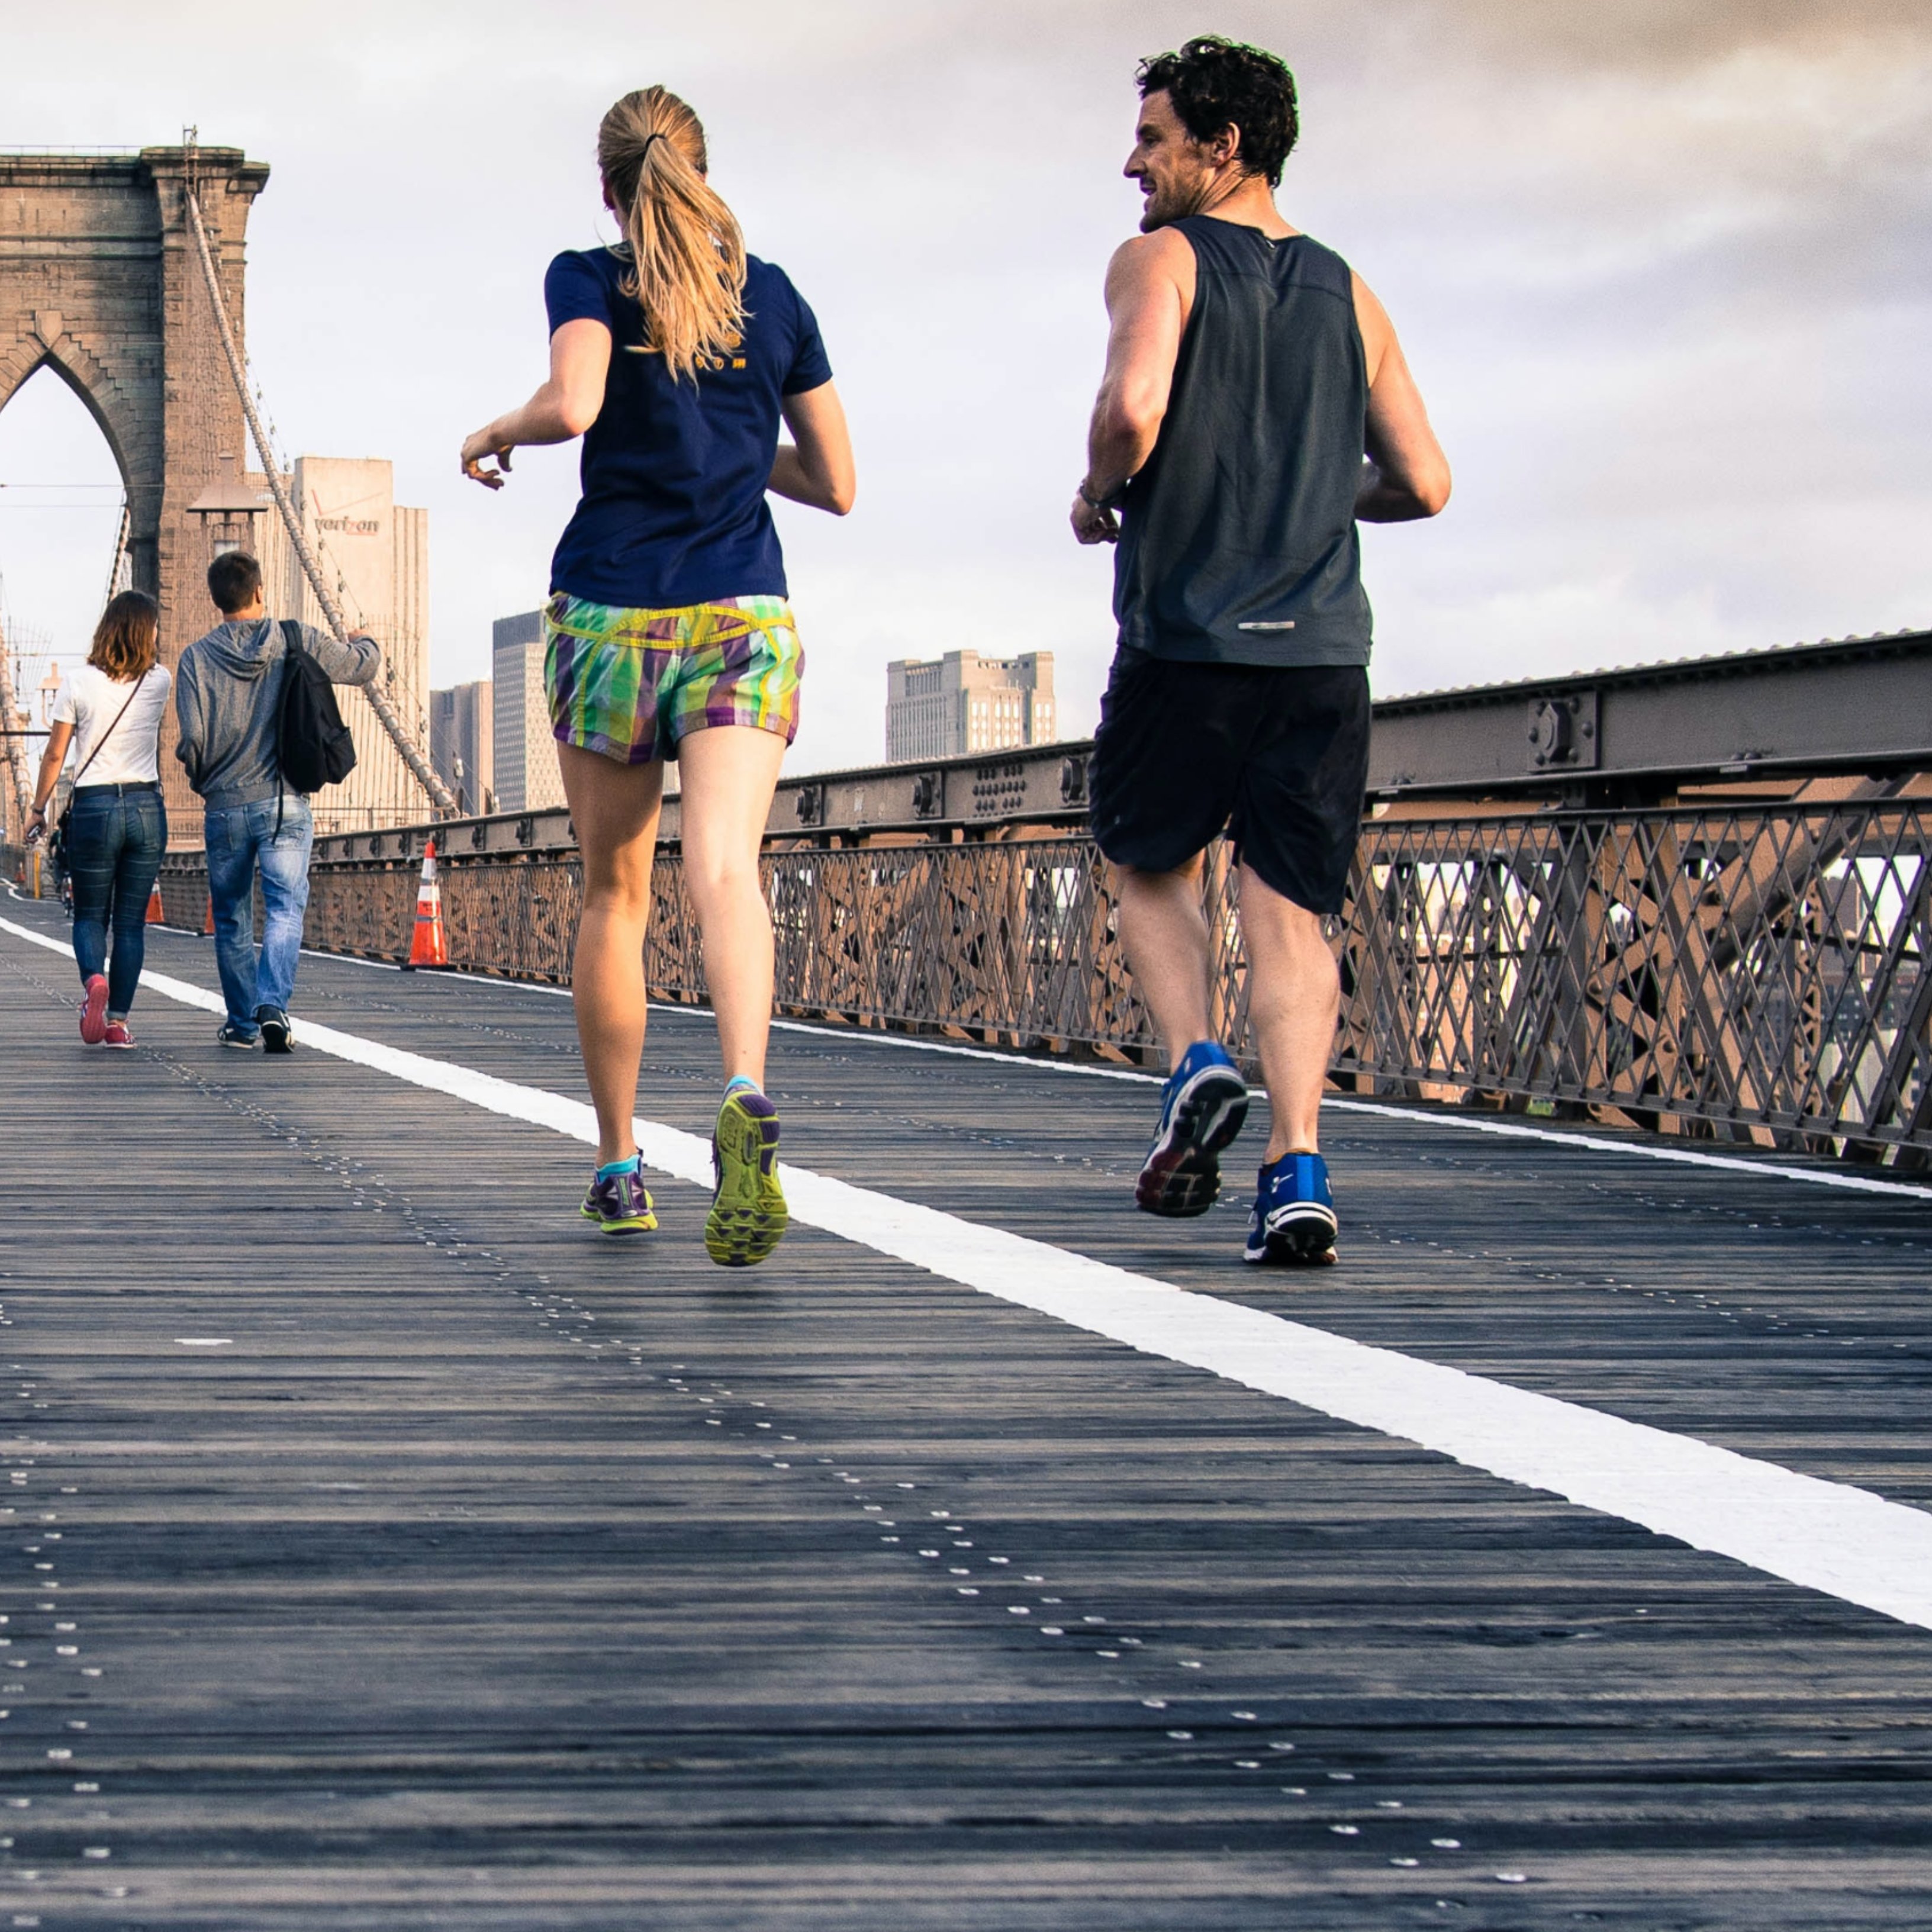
<point x="1202" y="1108"/>
<point x="1294" y="1219"/>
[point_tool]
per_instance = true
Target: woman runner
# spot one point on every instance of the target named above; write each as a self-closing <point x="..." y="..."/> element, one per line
<point x="674" y="355"/>
<point x="110" y="710"/>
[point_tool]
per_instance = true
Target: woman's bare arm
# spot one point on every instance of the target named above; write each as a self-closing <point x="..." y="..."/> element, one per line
<point x="59" y="736"/>
<point x="565" y="406"/>
<point x="816" y="468"/>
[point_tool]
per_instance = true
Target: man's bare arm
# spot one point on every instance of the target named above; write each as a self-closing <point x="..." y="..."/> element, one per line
<point x="1407" y="475"/>
<point x="1149" y="289"/>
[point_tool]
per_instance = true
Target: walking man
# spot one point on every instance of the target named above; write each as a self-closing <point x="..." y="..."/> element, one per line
<point x="1249" y="374"/>
<point x="228" y="702"/>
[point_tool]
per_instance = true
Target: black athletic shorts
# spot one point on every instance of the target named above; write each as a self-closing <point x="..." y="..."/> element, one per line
<point x="1278" y="755"/>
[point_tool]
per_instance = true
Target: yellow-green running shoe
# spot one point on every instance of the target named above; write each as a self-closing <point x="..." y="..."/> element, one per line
<point x="748" y="1215"/>
<point x="620" y="1205"/>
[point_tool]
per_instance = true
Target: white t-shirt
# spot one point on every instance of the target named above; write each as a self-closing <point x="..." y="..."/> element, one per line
<point x="90" y="700"/>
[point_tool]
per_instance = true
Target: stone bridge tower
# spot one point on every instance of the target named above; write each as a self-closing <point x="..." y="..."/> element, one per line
<point x="99" y="278"/>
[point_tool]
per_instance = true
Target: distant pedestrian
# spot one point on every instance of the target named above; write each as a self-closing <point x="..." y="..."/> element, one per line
<point x="109" y="711"/>
<point x="674" y="354"/>
<point x="228" y="703"/>
<point x="1249" y="372"/>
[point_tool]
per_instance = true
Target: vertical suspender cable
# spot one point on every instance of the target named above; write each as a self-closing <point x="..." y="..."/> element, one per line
<point x="425" y="773"/>
<point x="114" y="584"/>
<point x="12" y="723"/>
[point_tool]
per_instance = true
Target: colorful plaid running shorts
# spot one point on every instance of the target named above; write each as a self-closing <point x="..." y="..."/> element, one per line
<point x="631" y="683"/>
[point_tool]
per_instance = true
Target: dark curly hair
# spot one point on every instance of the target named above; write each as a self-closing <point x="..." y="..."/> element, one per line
<point x="1215" y="84"/>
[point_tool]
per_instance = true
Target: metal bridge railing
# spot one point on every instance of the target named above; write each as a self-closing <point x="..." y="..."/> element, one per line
<point x="1760" y="973"/>
<point x="1694" y="897"/>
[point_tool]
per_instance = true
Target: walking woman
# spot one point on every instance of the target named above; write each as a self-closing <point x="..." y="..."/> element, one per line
<point x="674" y="355"/>
<point x="110" y="710"/>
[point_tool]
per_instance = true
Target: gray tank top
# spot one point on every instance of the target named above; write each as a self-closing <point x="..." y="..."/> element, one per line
<point x="1238" y="543"/>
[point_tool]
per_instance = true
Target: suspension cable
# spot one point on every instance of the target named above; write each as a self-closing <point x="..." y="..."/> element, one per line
<point x="115" y="586"/>
<point x="12" y="723"/>
<point x="424" y="772"/>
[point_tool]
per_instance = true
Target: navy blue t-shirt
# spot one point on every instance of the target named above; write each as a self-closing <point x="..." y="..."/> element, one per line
<point x="673" y="511"/>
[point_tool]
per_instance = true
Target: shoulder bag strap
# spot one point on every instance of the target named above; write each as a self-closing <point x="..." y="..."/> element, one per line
<point x="291" y="647"/>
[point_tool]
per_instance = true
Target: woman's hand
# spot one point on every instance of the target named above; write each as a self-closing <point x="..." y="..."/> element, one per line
<point x="488" y="443"/>
<point x="817" y="468"/>
<point x="565" y="406"/>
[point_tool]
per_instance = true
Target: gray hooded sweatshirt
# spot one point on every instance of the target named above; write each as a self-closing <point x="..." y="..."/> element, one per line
<point x="228" y="696"/>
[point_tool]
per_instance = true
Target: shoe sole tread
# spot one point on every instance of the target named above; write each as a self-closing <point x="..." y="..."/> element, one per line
<point x="1181" y="1177"/>
<point x="749" y="1217"/>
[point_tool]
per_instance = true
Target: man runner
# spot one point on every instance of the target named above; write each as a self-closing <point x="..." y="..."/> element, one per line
<point x="1249" y="371"/>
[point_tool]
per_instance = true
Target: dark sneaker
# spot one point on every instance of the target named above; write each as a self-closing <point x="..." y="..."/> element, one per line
<point x="278" y="1035"/>
<point x="237" y="1036"/>
<point x="748" y="1218"/>
<point x="94" y="1010"/>
<point x="1294" y="1219"/>
<point x="619" y="1205"/>
<point x="1202" y="1108"/>
<point x="118" y="1033"/>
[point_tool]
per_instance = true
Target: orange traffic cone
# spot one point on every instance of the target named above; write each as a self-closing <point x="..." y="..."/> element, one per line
<point x="208" y="924"/>
<point x="427" y="945"/>
<point x="157" y="913"/>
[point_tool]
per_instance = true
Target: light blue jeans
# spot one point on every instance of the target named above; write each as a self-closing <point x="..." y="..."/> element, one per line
<point x="241" y="841"/>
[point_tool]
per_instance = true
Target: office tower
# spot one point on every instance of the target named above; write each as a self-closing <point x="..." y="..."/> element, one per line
<point x="528" y="776"/>
<point x="963" y="703"/>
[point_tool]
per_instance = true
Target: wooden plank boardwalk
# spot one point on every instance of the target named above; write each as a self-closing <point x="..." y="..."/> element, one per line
<point x="386" y="1550"/>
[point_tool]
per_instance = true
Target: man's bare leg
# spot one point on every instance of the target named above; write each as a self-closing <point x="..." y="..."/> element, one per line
<point x="1294" y="994"/>
<point x="1164" y="935"/>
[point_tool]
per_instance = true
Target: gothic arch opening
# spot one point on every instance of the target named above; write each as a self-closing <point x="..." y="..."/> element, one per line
<point x="63" y="492"/>
<point x="63" y="500"/>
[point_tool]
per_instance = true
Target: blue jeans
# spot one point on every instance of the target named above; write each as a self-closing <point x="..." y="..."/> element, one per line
<point x="112" y="851"/>
<point x="242" y="840"/>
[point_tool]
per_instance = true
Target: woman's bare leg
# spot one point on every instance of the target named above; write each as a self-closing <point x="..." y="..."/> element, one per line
<point x="730" y="773"/>
<point x="614" y="809"/>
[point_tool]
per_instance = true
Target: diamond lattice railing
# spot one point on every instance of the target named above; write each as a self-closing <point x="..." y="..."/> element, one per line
<point x="1754" y="972"/>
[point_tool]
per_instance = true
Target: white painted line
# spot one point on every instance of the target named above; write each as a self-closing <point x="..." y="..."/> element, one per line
<point x="204" y="1342"/>
<point x="1846" y="1542"/>
<point x="1855" y="1184"/>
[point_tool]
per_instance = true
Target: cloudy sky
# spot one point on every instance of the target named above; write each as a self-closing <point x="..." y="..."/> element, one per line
<point x="1663" y="271"/>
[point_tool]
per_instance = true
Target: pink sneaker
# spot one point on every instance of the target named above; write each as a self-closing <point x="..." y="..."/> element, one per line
<point x="117" y="1034"/>
<point x="93" y="1011"/>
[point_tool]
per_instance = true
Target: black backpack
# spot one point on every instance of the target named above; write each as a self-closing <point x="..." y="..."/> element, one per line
<point x="311" y="740"/>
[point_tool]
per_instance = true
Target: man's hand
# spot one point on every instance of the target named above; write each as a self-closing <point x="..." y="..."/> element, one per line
<point x="488" y="443"/>
<point x="1093" y="523"/>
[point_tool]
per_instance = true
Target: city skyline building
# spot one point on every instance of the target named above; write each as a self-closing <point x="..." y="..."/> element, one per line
<point x="962" y="703"/>
<point x="462" y="740"/>
<point x="529" y="778"/>
<point x="374" y="555"/>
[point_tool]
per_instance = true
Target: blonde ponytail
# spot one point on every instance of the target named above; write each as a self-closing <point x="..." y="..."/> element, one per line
<point x="687" y="252"/>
